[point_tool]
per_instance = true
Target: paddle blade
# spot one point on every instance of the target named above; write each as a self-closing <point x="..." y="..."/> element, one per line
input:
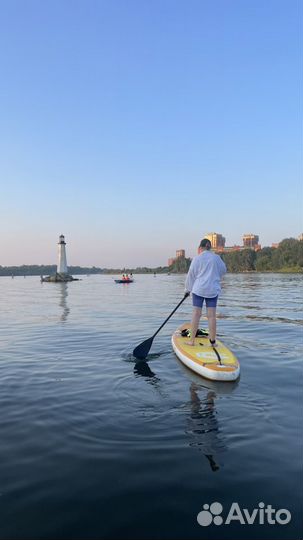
<point x="142" y="350"/>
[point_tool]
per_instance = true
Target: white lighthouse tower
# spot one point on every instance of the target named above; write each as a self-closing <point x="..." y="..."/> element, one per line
<point x="61" y="275"/>
<point x="62" y="265"/>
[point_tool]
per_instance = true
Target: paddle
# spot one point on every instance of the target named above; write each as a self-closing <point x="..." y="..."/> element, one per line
<point x="142" y="350"/>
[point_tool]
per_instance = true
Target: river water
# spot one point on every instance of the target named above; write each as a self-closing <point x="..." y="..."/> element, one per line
<point x="95" y="446"/>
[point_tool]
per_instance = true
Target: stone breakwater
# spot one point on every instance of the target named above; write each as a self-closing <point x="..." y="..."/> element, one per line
<point x="58" y="278"/>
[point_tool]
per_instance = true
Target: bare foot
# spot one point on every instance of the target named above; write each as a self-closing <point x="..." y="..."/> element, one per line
<point x="191" y="343"/>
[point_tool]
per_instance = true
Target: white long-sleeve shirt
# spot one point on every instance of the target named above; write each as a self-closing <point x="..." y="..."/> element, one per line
<point x="204" y="275"/>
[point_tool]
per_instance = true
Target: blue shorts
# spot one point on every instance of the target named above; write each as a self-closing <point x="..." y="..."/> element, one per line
<point x="198" y="301"/>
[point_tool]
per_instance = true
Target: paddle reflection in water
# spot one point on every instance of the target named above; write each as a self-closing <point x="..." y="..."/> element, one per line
<point x="143" y="369"/>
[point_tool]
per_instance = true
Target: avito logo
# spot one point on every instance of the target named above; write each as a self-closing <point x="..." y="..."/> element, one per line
<point x="211" y="514"/>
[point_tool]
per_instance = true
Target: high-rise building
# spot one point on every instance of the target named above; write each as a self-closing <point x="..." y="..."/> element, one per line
<point x="216" y="240"/>
<point x="250" y="240"/>
<point x="179" y="253"/>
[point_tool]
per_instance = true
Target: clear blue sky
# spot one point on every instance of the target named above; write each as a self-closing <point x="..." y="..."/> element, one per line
<point x="134" y="127"/>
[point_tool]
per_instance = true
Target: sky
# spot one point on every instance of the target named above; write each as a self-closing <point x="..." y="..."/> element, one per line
<point x="135" y="127"/>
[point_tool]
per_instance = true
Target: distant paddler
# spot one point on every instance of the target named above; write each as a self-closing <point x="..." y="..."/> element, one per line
<point x="126" y="278"/>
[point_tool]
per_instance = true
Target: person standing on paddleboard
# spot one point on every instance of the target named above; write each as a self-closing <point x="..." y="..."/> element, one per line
<point x="203" y="282"/>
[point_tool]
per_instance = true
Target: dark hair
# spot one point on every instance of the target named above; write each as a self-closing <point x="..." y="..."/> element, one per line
<point x="205" y="243"/>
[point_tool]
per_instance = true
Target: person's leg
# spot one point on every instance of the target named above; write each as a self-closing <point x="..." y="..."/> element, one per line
<point x="212" y="323"/>
<point x="194" y="324"/>
<point x="211" y="305"/>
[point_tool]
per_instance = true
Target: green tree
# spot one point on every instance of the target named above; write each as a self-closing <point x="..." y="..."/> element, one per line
<point x="180" y="265"/>
<point x="264" y="259"/>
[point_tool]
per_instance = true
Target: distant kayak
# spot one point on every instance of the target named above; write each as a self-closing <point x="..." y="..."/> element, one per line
<point x="218" y="364"/>
<point x="124" y="280"/>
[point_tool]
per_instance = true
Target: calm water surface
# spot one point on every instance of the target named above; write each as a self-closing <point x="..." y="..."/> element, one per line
<point x="95" y="446"/>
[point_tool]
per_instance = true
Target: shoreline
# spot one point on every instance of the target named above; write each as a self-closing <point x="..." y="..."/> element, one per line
<point x="151" y="272"/>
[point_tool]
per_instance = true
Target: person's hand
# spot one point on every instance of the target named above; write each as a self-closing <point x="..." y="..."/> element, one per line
<point x="186" y="293"/>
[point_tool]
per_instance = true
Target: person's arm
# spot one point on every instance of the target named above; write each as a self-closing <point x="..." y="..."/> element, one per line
<point x="191" y="276"/>
<point x="222" y="266"/>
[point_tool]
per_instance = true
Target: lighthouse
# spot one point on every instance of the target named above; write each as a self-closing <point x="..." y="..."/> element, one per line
<point x="62" y="265"/>
<point x="61" y="275"/>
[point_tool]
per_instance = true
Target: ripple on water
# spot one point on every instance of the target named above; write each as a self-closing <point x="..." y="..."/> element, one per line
<point x="85" y="426"/>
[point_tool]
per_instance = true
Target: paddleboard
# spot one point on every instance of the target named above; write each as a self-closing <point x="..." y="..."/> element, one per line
<point x="215" y="363"/>
<point x="124" y="280"/>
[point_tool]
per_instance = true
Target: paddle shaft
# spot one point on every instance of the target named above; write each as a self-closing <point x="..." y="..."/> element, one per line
<point x="185" y="296"/>
<point x="142" y="350"/>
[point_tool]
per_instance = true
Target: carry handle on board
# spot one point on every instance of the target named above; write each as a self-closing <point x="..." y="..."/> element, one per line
<point x="142" y="350"/>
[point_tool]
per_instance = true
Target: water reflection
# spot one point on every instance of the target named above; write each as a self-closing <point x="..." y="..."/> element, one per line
<point x="142" y="369"/>
<point x="201" y="421"/>
<point x="63" y="287"/>
<point x="202" y="425"/>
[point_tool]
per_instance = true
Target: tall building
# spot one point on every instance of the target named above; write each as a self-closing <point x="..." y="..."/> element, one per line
<point x="216" y="240"/>
<point x="250" y="240"/>
<point x="179" y="253"/>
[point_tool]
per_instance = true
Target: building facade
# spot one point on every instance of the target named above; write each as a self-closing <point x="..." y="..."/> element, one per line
<point x="216" y="240"/>
<point x="250" y="240"/>
<point x="179" y="253"/>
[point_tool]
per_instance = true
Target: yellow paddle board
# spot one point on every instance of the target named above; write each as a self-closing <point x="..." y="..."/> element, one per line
<point x="215" y="363"/>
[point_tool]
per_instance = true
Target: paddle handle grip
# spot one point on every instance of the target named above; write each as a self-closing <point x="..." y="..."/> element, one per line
<point x="184" y="297"/>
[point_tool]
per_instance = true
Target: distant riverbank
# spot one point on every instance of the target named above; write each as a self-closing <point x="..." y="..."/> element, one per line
<point x="286" y="258"/>
<point x="43" y="270"/>
<point x="24" y="271"/>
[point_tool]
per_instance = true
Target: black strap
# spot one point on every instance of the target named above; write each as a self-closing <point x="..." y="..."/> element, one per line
<point x="217" y="355"/>
<point x="216" y="352"/>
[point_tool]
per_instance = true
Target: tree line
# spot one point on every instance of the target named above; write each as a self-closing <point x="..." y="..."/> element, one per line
<point x="44" y="270"/>
<point x="287" y="257"/>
